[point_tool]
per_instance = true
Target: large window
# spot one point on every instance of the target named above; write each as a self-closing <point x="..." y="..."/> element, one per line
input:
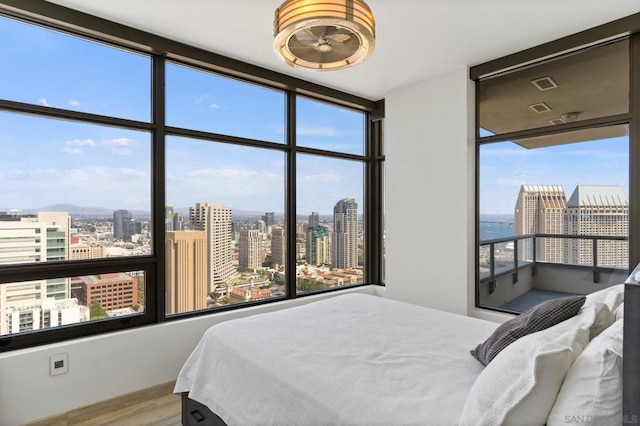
<point x="139" y="187"/>
<point x="554" y="184"/>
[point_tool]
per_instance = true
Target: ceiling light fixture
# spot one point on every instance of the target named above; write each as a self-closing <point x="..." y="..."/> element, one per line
<point x="324" y="34"/>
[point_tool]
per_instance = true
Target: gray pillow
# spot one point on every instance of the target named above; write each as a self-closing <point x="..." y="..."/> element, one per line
<point x="541" y="316"/>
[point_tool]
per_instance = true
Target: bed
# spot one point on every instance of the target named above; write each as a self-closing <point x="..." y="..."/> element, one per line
<point x="357" y="359"/>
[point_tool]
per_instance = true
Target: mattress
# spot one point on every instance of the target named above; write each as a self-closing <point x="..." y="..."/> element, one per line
<point x="348" y="360"/>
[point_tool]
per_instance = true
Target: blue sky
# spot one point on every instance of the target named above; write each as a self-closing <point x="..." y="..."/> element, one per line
<point x="505" y="166"/>
<point x="44" y="161"/>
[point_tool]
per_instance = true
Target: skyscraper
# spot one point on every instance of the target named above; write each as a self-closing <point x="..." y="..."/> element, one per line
<point x="168" y="218"/>
<point x="249" y="249"/>
<point x="540" y="209"/>
<point x="344" y="239"/>
<point x="278" y="246"/>
<point x="187" y="275"/>
<point x="314" y="219"/>
<point x="601" y="210"/>
<point x="318" y="247"/>
<point x="215" y="220"/>
<point x="269" y="219"/>
<point x="120" y="217"/>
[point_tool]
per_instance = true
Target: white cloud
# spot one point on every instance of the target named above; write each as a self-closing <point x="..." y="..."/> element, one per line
<point x="215" y="106"/>
<point x="72" y="151"/>
<point x="87" y="186"/>
<point x="202" y="98"/>
<point x="73" y="102"/>
<point x="43" y="102"/>
<point x="80" y="142"/>
<point x="321" y="178"/>
<point x="119" y="146"/>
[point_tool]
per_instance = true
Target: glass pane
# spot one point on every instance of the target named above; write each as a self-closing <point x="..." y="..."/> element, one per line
<point x="205" y="101"/>
<point x="574" y="185"/>
<point x="43" y="304"/>
<point x="64" y="187"/>
<point x="329" y="127"/>
<point x="225" y="224"/>
<point x="49" y="68"/>
<point x="582" y="86"/>
<point x="331" y="235"/>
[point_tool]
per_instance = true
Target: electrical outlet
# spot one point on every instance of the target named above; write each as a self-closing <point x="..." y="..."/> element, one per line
<point x="58" y="364"/>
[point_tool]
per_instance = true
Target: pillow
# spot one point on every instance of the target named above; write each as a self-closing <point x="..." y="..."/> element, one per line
<point x="611" y="296"/>
<point x="520" y="385"/>
<point x="603" y="319"/>
<point x="592" y="391"/>
<point x="620" y="312"/>
<point x="541" y="316"/>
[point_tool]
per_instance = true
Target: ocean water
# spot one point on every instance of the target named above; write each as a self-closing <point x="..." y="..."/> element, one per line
<point x="498" y="226"/>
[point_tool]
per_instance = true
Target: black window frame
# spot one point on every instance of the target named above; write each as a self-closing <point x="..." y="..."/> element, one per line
<point x="161" y="51"/>
<point x="624" y="28"/>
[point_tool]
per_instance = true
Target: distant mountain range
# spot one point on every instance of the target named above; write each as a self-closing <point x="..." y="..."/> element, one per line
<point x="104" y="212"/>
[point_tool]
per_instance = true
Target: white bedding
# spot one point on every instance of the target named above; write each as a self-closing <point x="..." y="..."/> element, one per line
<point x="349" y="360"/>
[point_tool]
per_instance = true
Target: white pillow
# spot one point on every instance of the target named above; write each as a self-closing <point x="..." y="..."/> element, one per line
<point x="592" y="391"/>
<point x="605" y="302"/>
<point x="519" y="386"/>
<point x="620" y="312"/>
<point x="611" y="296"/>
<point x="603" y="319"/>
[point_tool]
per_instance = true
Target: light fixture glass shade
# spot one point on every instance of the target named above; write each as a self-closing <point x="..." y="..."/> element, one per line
<point x="324" y="34"/>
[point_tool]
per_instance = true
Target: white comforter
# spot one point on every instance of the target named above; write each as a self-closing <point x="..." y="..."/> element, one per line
<point x="349" y="360"/>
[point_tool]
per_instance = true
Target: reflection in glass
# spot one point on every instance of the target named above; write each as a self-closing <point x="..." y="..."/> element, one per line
<point x="43" y="304"/>
<point x="328" y="127"/>
<point x="205" y="101"/>
<point x="225" y="225"/>
<point x="85" y="194"/>
<point x="63" y="71"/>
<point x="330" y="232"/>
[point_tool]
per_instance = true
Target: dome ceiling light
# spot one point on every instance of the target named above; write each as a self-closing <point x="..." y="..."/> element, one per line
<point x="324" y="34"/>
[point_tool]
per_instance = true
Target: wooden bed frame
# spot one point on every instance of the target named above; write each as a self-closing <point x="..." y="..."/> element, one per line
<point x="197" y="414"/>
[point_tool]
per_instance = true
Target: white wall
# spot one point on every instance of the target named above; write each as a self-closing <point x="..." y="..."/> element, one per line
<point x="107" y="366"/>
<point x="430" y="201"/>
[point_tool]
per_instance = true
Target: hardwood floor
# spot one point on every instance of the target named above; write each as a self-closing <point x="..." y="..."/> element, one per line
<point x="156" y="406"/>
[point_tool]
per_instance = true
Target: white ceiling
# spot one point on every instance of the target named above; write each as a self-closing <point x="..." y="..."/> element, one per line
<point x="416" y="39"/>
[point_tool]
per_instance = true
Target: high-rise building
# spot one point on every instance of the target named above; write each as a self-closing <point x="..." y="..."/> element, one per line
<point x="178" y="222"/>
<point x="314" y="219"/>
<point x="540" y="209"/>
<point x="187" y="275"/>
<point x="269" y="219"/>
<point x="168" y="218"/>
<point x="34" y="239"/>
<point x="318" y="245"/>
<point x="132" y="227"/>
<point x="249" y="249"/>
<point x="344" y="239"/>
<point x="215" y="220"/>
<point x="120" y="218"/>
<point x="278" y="246"/>
<point x="600" y="210"/>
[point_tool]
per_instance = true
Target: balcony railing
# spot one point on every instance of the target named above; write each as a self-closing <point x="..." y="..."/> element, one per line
<point x="562" y="263"/>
